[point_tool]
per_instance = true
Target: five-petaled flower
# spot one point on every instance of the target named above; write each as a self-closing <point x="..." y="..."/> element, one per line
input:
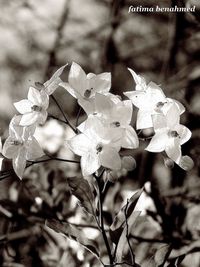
<point x="150" y="100"/>
<point x="169" y="134"/>
<point x="84" y="87"/>
<point x="114" y="114"/>
<point x="21" y="146"/>
<point x="34" y="108"/>
<point x="97" y="146"/>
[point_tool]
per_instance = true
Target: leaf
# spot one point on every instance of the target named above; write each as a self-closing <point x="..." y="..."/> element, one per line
<point x="161" y="253"/>
<point x="81" y="189"/>
<point x="52" y="84"/>
<point x="131" y="221"/>
<point x="74" y="233"/>
<point x="119" y="221"/>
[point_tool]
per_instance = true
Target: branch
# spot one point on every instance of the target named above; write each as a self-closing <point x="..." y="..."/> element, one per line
<point x="127" y="234"/>
<point x="103" y="232"/>
<point x="65" y="117"/>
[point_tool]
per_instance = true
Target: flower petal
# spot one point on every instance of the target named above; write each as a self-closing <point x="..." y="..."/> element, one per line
<point x="130" y="138"/>
<point x="102" y="82"/>
<point x="103" y="104"/>
<point x="23" y="106"/>
<point x="77" y="79"/>
<point x="139" y="99"/>
<point x="109" y="158"/>
<point x="122" y="112"/>
<point x="155" y="93"/>
<point x="19" y="163"/>
<point x="159" y="121"/>
<point x="80" y="144"/>
<point x="158" y="141"/>
<point x="140" y="81"/>
<point x="34" y="96"/>
<point x="173" y="116"/>
<point x="180" y="105"/>
<point x="173" y="149"/>
<point x="9" y="150"/>
<point x="68" y="88"/>
<point x="34" y="150"/>
<point x="29" y="118"/>
<point x="89" y="163"/>
<point x="144" y="119"/>
<point x="52" y="84"/>
<point x="184" y="133"/>
<point x="42" y="117"/>
<point x="87" y="105"/>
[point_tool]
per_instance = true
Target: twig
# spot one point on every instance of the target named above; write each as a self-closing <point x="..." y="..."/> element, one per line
<point x="78" y="116"/>
<point x="103" y="232"/>
<point x="65" y="117"/>
<point x="58" y="119"/>
<point x="127" y="234"/>
<point x="148" y="240"/>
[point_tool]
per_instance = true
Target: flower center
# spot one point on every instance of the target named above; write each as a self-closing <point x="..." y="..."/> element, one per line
<point x="16" y="143"/>
<point x="174" y="134"/>
<point x="99" y="148"/>
<point x="36" y="108"/>
<point x="115" y="124"/>
<point x="160" y="104"/>
<point x="87" y="93"/>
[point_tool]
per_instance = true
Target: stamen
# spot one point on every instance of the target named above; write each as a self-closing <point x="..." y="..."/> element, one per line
<point x="174" y="134"/>
<point x="36" y="108"/>
<point x="16" y="143"/>
<point x="116" y="124"/>
<point x="99" y="148"/>
<point x="87" y="93"/>
<point x="160" y="104"/>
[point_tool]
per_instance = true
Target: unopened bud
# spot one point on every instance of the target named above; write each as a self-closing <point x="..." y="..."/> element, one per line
<point x="169" y="163"/>
<point x="128" y="163"/>
<point x="186" y="163"/>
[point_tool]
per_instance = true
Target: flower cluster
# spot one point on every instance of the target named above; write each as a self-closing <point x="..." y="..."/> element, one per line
<point x="21" y="145"/>
<point x="161" y="113"/>
<point x="107" y="129"/>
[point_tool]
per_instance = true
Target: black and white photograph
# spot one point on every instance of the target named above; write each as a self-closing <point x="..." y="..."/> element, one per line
<point x="99" y="133"/>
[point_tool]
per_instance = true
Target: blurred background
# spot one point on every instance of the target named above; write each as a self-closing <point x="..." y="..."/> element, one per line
<point x="36" y="38"/>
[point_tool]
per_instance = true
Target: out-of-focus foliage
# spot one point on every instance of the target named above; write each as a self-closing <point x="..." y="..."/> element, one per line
<point x="39" y="36"/>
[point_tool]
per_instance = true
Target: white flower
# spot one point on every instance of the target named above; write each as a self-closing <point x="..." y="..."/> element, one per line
<point x="21" y="146"/>
<point x="150" y="100"/>
<point x="34" y="108"/>
<point x="53" y="83"/>
<point x="97" y="146"/>
<point x="84" y="87"/>
<point x="169" y="134"/>
<point x="115" y="115"/>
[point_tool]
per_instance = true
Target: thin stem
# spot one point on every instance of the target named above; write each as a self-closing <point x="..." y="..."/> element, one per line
<point x="148" y="240"/>
<point x="103" y="232"/>
<point x="65" y="117"/>
<point x="78" y="116"/>
<point x="51" y="158"/>
<point x="127" y="234"/>
<point x="55" y="118"/>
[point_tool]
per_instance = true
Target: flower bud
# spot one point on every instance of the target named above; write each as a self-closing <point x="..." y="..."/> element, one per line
<point x="169" y="163"/>
<point x="128" y="163"/>
<point x="186" y="163"/>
